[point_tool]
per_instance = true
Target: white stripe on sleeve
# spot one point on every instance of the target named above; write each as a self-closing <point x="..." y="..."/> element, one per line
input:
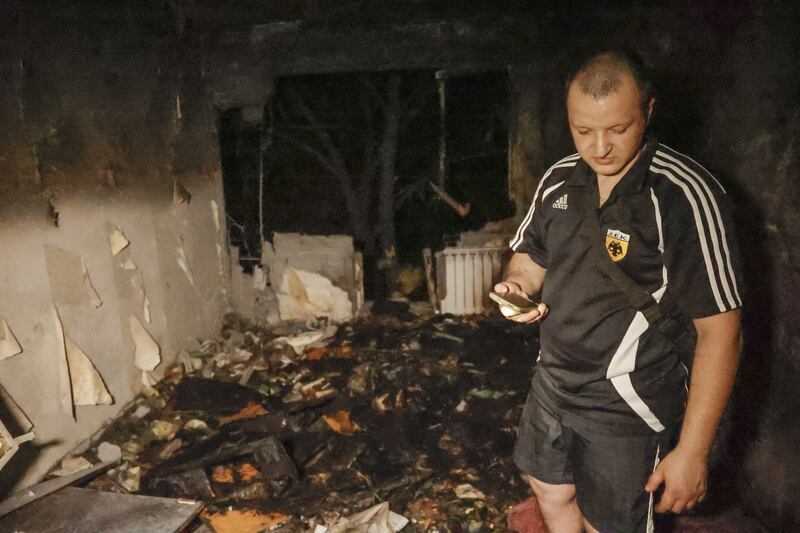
<point x="679" y="154"/>
<point x="569" y="161"/>
<point x="712" y="277"/>
<point x="549" y="190"/>
<point x="657" y="210"/>
<point x="723" y="233"/>
<point x="713" y="219"/>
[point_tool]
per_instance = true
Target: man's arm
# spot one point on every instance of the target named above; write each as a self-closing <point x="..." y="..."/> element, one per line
<point x="525" y="278"/>
<point x="684" y="470"/>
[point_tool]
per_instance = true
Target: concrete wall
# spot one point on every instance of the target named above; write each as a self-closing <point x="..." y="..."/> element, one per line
<point x="754" y="138"/>
<point x="99" y="119"/>
<point x="530" y="91"/>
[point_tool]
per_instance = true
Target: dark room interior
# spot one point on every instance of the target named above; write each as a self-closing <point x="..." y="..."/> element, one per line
<point x="249" y="247"/>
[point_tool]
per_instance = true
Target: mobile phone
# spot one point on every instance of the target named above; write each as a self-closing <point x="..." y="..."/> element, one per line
<point x="513" y="301"/>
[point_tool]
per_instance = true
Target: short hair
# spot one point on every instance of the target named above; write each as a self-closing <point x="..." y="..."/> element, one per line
<point x="601" y="74"/>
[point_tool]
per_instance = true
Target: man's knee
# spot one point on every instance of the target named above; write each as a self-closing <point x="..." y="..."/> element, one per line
<point x="550" y="495"/>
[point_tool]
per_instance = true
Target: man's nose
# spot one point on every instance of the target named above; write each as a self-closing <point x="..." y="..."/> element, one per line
<point x="601" y="145"/>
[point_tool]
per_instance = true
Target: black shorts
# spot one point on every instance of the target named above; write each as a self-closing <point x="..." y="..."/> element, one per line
<point x="609" y="471"/>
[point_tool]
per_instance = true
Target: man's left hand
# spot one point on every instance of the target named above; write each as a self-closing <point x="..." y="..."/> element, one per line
<point x="683" y="474"/>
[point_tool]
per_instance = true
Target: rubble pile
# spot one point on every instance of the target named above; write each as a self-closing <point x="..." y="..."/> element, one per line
<point x="397" y="418"/>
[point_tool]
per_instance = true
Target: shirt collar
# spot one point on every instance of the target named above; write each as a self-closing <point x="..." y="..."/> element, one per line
<point x="633" y="180"/>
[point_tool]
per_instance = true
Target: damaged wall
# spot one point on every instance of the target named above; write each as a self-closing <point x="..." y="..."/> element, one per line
<point x="105" y="125"/>
<point x="755" y="139"/>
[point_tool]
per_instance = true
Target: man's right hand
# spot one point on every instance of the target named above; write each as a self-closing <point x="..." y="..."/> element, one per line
<point x="529" y="317"/>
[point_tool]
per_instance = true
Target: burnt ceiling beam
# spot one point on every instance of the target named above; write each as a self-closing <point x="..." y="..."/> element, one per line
<point x="240" y="63"/>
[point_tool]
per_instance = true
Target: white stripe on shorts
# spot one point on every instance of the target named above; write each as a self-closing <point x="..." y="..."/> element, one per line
<point x="651" y="526"/>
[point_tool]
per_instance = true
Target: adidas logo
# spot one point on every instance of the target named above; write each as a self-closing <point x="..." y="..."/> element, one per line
<point x="561" y="203"/>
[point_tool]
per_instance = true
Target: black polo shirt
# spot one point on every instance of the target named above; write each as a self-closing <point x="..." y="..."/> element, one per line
<point x="668" y="226"/>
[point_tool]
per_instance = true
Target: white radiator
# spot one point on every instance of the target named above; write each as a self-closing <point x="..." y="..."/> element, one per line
<point x="464" y="278"/>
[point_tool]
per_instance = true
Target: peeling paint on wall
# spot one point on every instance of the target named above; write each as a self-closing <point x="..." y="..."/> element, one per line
<point x="94" y="298"/>
<point x="70" y="283"/>
<point x="9" y="346"/>
<point x="97" y="137"/>
<point x="64" y="384"/>
<point x="15" y="412"/>
<point x="137" y="280"/>
<point x="146" y="308"/>
<point x="183" y="262"/>
<point x="118" y="240"/>
<point x="215" y="214"/>
<point x="221" y="261"/>
<point x="180" y="195"/>
<point x="19" y="422"/>
<point x="220" y="239"/>
<point x="88" y="387"/>
<point x="147" y="352"/>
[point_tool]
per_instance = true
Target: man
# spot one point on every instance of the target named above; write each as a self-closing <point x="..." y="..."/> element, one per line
<point x="609" y="391"/>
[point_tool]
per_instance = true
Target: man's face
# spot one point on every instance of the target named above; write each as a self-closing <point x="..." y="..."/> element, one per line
<point x="608" y="132"/>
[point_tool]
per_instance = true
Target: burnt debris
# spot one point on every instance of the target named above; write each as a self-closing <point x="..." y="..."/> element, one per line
<point x="412" y="409"/>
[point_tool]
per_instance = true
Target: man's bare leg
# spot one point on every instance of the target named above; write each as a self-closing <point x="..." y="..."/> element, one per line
<point x="559" y="507"/>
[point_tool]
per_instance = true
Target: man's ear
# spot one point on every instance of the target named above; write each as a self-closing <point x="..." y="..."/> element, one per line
<point x="651" y="105"/>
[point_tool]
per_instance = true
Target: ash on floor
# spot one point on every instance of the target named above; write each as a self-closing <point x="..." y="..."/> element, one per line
<point x="303" y="427"/>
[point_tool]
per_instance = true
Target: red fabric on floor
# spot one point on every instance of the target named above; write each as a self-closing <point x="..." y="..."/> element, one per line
<point x="526" y="517"/>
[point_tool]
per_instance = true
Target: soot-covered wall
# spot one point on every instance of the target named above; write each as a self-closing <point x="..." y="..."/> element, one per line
<point x="754" y="140"/>
<point x="104" y="118"/>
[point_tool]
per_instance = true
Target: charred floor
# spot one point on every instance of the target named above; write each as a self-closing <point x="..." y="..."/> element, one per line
<point x="294" y="429"/>
<point x="418" y="412"/>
